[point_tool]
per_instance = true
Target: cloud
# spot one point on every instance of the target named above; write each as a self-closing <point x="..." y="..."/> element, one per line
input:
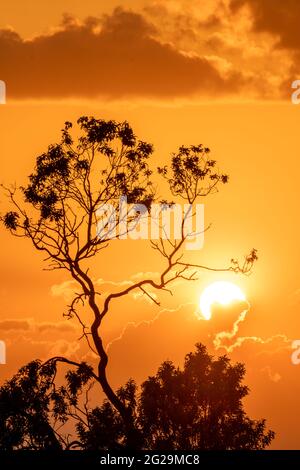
<point x="279" y="18"/>
<point x="273" y="376"/>
<point x="227" y="336"/>
<point x="167" y="51"/>
<point x="65" y="289"/>
<point x="281" y="21"/>
<point x="63" y="348"/>
<point x="14" y="325"/>
<point x="32" y="326"/>
<point x="64" y="327"/>
<point x="229" y="34"/>
<point x="173" y="332"/>
<point x="114" y="57"/>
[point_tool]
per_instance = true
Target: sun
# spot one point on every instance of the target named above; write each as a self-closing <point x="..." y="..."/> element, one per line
<point x="220" y="292"/>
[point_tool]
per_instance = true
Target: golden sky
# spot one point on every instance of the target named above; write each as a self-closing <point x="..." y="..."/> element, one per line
<point x="217" y="72"/>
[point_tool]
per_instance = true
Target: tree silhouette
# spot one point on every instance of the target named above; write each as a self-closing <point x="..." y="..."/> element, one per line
<point x="33" y="408"/>
<point x="198" y="407"/>
<point x="24" y="409"/>
<point x="58" y="212"/>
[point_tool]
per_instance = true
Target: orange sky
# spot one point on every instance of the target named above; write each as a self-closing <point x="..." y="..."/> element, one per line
<point x="186" y="76"/>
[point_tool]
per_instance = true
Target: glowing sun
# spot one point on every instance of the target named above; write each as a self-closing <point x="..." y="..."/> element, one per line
<point x="219" y="292"/>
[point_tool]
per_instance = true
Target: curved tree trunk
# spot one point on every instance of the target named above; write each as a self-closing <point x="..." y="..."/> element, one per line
<point x="126" y="414"/>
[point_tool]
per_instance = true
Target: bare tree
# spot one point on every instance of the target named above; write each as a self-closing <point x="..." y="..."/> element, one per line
<point x="59" y="210"/>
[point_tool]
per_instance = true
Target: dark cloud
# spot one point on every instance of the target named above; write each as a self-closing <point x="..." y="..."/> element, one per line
<point x="114" y="57"/>
<point x="282" y="20"/>
<point x="278" y="17"/>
